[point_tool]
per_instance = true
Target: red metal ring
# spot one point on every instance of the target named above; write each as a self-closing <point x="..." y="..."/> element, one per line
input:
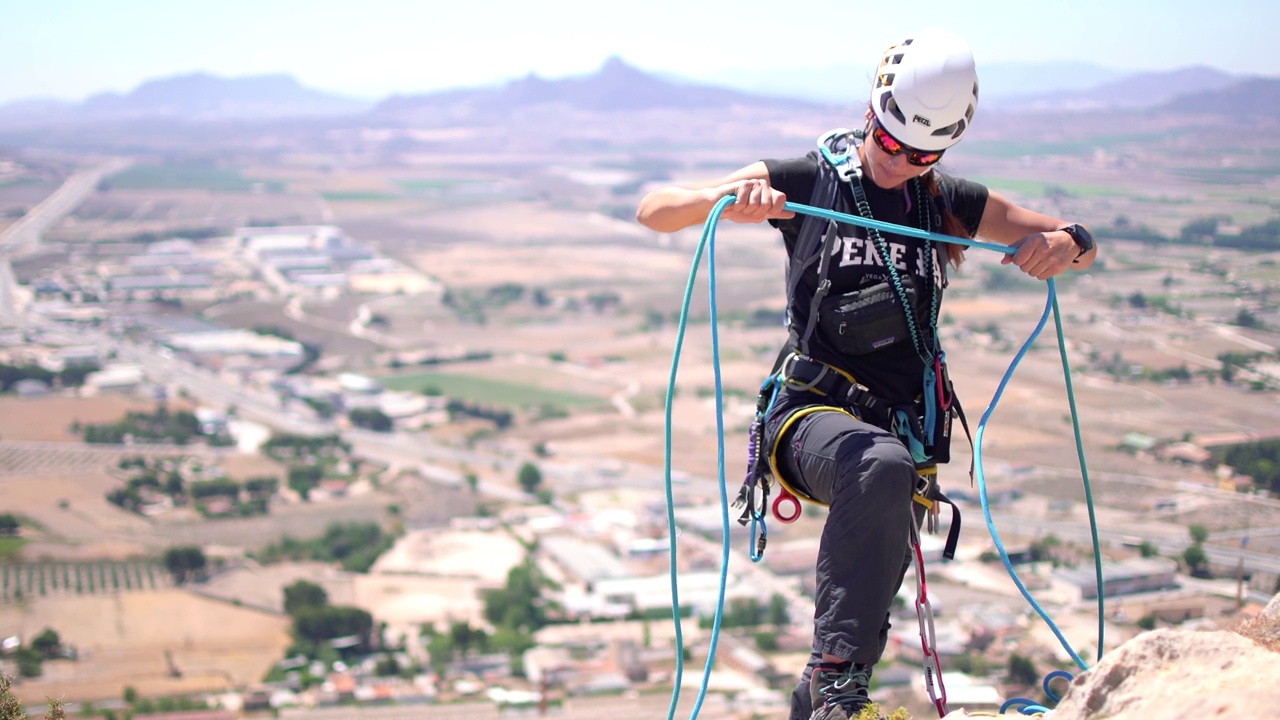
<point x="785" y="496"/>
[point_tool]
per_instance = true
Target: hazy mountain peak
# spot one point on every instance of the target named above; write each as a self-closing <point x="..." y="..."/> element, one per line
<point x="615" y="86"/>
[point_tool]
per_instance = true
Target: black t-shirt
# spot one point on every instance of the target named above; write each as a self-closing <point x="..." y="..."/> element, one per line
<point x="893" y="373"/>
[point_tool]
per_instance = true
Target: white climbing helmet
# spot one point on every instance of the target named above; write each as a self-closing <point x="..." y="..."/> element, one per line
<point x="926" y="90"/>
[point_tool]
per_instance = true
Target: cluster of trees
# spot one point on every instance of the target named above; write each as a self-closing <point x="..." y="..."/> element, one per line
<point x="324" y="631"/>
<point x="70" y="376"/>
<point x="515" y="611"/>
<point x="370" y="419"/>
<point x="1204" y="231"/>
<point x="354" y="545"/>
<point x="179" y="427"/>
<point x="1228" y="372"/>
<point x="471" y="306"/>
<point x="308" y="458"/>
<point x="29" y="657"/>
<point x="501" y="419"/>
<point x="1195" y="558"/>
<point x="164" y="477"/>
<point x="160" y="476"/>
<point x="1264" y="236"/>
<point x="750" y="613"/>
<point x="185" y="563"/>
<point x="142" y="706"/>
<point x="1259" y="460"/>
<point x="1234" y="362"/>
<point x="287" y="447"/>
<point x="469" y="356"/>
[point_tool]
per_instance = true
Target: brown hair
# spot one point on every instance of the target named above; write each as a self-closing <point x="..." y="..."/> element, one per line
<point x="951" y="225"/>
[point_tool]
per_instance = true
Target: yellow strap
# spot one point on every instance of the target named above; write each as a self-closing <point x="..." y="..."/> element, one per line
<point x="773" y="449"/>
<point x="809" y="410"/>
<point x="917" y="497"/>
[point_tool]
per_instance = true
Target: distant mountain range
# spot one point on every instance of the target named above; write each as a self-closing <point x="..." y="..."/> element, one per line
<point x="197" y="97"/>
<point x="617" y="86"/>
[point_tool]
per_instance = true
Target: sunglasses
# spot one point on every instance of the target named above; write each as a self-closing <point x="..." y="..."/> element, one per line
<point x="891" y="147"/>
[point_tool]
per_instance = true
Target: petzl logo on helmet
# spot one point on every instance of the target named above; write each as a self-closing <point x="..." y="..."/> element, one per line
<point x="921" y="119"/>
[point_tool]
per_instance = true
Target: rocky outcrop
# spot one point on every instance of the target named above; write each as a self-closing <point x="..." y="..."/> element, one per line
<point x="1173" y="674"/>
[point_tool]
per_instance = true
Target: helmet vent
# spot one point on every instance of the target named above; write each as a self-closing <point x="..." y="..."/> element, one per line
<point x="889" y="105"/>
<point x="884" y="79"/>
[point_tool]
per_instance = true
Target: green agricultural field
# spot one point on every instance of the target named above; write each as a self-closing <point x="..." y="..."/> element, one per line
<point x="189" y="175"/>
<point x="11" y="547"/>
<point x="423" y="186"/>
<point x="1036" y="188"/>
<point x="487" y="391"/>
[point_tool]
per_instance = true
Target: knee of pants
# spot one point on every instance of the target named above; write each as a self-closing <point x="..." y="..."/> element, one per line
<point x="885" y="467"/>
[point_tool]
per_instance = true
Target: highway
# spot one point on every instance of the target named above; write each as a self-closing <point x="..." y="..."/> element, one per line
<point x="28" y="230"/>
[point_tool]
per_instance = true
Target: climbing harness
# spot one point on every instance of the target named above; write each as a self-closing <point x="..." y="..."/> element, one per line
<point x="756" y="451"/>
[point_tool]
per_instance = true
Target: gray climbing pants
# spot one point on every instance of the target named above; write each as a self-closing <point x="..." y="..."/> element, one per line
<point x="866" y="477"/>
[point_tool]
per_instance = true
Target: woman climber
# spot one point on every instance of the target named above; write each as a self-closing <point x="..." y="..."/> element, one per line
<point x="861" y="416"/>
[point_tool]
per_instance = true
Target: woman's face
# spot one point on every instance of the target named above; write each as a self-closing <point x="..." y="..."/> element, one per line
<point x="885" y="170"/>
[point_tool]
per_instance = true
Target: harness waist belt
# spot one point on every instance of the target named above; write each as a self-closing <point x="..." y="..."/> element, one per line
<point x="803" y="373"/>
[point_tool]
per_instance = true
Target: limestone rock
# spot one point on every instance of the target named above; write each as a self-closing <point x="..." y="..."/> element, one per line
<point x="1175" y="674"/>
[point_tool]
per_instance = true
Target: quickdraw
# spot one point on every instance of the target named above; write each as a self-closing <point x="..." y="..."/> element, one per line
<point x="928" y="640"/>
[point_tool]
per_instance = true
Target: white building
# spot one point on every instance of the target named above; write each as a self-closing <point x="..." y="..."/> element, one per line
<point x="115" y="378"/>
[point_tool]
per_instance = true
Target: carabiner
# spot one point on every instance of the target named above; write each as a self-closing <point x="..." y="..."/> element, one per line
<point x="940" y="374"/>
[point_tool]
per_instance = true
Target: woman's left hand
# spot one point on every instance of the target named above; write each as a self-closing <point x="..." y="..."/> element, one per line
<point x="1043" y="255"/>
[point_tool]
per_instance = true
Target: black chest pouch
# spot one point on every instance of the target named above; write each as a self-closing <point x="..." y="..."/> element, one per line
<point x="869" y="319"/>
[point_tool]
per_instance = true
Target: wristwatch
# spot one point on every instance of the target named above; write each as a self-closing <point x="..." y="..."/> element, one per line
<point x="1082" y="237"/>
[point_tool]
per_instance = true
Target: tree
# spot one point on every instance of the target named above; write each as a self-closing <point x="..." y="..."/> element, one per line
<point x="1199" y="534"/>
<point x="742" y="612"/>
<point x="766" y="641"/>
<point x="777" y="614"/>
<point x="302" y="478"/>
<point x="529" y="477"/>
<point x="1022" y="671"/>
<point x="320" y="624"/>
<point x="371" y="419"/>
<point x="1246" y="319"/>
<point x="1197" y="561"/>
<point x="9" y="524"/>
<point x="47" y="643"/>
<point x="464" y="638"/>
<point x="440" y="650"/>
<point x="303" y="594"/>
<point x="29" y="662"/>
<point x="519" y="605"/>
<point x="185" y="562"/>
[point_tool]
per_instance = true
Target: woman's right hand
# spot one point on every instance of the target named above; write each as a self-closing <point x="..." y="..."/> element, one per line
<point x="756" y="201"/>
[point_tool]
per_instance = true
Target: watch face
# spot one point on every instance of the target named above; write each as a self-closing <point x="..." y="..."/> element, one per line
<point x="1081" y="236"/>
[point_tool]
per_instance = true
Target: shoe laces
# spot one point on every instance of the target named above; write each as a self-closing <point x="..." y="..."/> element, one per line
<point x="847" y="687"/>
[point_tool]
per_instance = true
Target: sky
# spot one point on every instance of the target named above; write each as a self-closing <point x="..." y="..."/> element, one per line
<point x="370" y="49"/>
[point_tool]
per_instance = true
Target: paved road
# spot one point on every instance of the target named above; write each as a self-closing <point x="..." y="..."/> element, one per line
<point x="28" y="230"/>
